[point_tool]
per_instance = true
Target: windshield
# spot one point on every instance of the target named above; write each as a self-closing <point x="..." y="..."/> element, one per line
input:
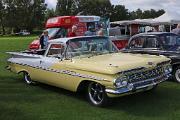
<point x="52" y="31"/>
<point x="171" y="41"/>
<point x="88" y="47"/>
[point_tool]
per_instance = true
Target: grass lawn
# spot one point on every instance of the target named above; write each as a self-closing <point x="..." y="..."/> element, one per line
<point x="19" y="101"/>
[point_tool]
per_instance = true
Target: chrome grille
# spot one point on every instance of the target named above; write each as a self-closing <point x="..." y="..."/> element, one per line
<point x="145" y="74"/>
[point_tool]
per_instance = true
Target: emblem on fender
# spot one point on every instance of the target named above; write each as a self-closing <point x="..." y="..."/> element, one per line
<point x="150" y="63"/>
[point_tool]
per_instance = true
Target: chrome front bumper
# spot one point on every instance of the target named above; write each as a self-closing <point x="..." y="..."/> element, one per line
<point x="133" y="87"/>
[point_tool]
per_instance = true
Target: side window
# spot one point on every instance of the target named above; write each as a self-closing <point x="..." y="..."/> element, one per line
<point x="61" y="33"/>
<point x="152" y="42"/>
<point x="169" y="40"/>
<point x="55" y="50"/>
<point x="178" y="41"/>
<point x="137" y="42"/>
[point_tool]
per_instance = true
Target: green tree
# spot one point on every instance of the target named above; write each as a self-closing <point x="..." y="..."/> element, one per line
<point x="50" y="13"/>
<point x="2" y="14"/>
<point x="85" y="7"/>
<point x="10" y="14"/>
<point x="139" y="14"/>
<point x="25" y="14"/>
<point x="64" y="7"/>
<point x="119" y="12"/>
<point x="94" y="7"/>
<point x="37" y="17"/>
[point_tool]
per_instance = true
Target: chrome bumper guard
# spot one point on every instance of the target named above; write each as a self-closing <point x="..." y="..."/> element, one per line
<point x="132" y="87"/>
<point x="8" y="68"/>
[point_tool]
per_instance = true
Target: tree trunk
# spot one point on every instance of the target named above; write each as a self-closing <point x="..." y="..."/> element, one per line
<point x="3" y="30"/>
<point x="12" y="30"/>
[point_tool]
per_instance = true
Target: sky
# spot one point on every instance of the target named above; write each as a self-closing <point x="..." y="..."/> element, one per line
<point x="51" y="3"/>
<point x="167" y="5"/>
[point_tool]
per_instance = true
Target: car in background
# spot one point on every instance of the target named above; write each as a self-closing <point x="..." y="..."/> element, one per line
<point x="158" y="43"/>
<point x="93" y="65"/>
<point x="23" y="33"/>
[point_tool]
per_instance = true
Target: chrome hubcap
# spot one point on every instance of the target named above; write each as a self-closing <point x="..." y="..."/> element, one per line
<point x="177" y="75"/>
<point x="96" y="93"/>
<point x="27" y="78"/>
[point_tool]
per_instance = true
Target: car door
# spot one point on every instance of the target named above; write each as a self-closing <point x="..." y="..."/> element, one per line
<point x="49" y="66"/>
<point x="135" y="45"/>
<point x="151" y="45"/>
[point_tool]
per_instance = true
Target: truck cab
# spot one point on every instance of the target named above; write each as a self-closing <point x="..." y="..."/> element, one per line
<point x="58" y="27"/>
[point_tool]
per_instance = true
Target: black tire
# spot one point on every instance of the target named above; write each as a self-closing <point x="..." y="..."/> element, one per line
<point x="96" y="95"/>
<point x="27" y="78"/>
<point x="176" y="74"/>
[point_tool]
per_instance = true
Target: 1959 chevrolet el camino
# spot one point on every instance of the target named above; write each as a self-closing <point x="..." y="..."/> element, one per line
<point x="92" y="64"/>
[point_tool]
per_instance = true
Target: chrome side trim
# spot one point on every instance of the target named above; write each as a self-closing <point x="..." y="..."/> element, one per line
<point x="67" y="72"/>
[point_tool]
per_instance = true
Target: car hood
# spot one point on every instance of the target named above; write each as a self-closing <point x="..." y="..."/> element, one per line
<point x="116" y="62"/>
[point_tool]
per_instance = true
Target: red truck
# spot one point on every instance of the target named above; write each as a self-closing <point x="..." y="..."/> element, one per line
<point x="58" y="27"/>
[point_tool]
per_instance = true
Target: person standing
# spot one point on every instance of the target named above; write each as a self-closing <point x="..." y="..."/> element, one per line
<point x="100" y="32"/>
<point x="177" y="30"/>
<point x="44" y="40"/>
<point x="91" y="31"/>
<point x="72" y="33"/>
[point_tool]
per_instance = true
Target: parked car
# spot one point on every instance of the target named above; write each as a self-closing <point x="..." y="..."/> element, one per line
<point x="23" y="33"/>
<point x="91" y="64"/>
<point x="158" y="43"/>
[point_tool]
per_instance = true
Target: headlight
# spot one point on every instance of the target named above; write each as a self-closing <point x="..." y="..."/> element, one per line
<point x="130" y="86"/>
<point x="168" y="69"/>
<point x="120" y="82"/>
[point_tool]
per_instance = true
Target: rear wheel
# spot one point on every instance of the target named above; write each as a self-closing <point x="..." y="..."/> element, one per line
<point x="96" y="94"/>
<point x="27" y="78"/>
<point x="176" y="74"/>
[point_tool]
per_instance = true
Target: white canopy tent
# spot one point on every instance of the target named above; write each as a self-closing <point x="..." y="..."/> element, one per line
<point x="136" y="21"/>
<point x="168" y="18"/>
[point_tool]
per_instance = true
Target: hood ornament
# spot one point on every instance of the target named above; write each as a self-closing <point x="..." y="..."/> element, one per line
<point x="111" y="65"/>
<point x="150" y="63"/>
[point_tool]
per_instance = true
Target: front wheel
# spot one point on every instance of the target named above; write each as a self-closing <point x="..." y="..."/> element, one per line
<point x="96" y="94"/>
<point x="176" y="74"/>
<point x="27" y="78"/>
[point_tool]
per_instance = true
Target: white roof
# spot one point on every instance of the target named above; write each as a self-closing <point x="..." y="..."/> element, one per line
<point x="170" y="17"/>
<point x="59" y="40"/>
<point x="136" y="21"/>
<point x="65" y="40"/>
<point x="88" y="18"/>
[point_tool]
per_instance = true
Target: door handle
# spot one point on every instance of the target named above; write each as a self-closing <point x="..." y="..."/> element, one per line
<point x="41" y="61"/>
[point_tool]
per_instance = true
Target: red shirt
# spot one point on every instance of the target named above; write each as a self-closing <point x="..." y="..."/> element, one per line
<point x="71" y="34"/>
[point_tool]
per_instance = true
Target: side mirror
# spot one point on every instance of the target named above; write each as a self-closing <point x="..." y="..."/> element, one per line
<point x="59" y="57"/>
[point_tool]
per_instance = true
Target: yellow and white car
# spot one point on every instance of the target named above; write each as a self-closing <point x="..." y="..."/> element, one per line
<point x="91" y="64"/>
